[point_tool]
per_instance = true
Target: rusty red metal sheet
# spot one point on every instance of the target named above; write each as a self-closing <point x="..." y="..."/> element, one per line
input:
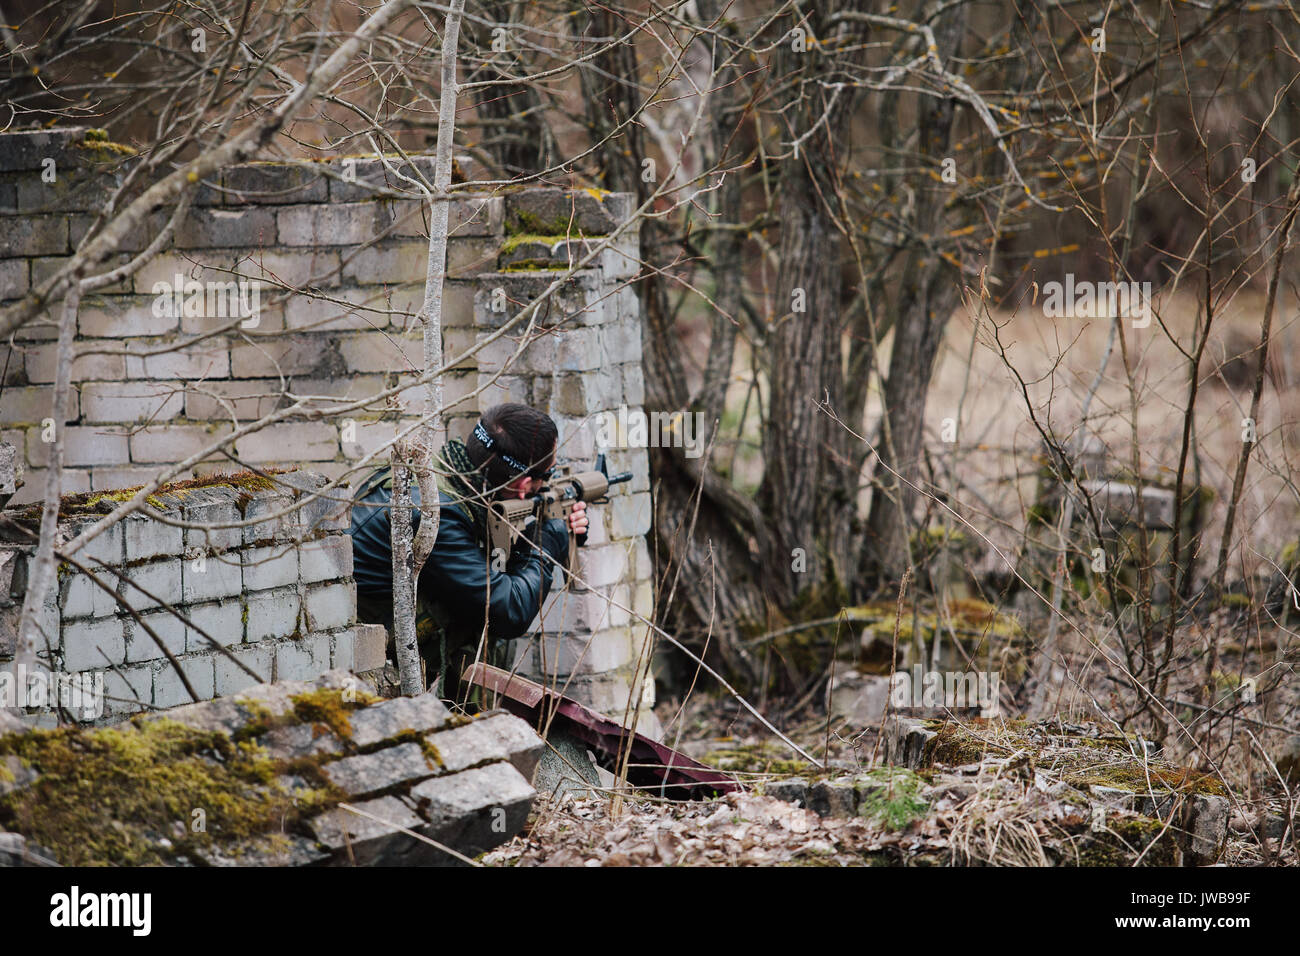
<point x="652" y="766"/>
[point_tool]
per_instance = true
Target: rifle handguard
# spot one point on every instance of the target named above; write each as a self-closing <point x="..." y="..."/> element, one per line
<point x="510" y="518"/>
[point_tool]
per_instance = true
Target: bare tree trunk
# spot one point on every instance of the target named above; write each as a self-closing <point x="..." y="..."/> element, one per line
<point x="42" y="575"/>
<point x="807" y="490"/>
<point x="417" y="453"/>
<point x="404" y="637"/>
<point x="929" y="292"/>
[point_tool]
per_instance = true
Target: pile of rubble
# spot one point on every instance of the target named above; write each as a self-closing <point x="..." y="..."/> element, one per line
<point x="293" y="773"/>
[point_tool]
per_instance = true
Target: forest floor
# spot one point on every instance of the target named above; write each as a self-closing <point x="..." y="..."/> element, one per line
<point x="1071" y="790"/>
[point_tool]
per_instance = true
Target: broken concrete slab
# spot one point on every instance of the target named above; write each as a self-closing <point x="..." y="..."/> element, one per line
<point x="474" y="810"/>
<point x="294" y="774"/>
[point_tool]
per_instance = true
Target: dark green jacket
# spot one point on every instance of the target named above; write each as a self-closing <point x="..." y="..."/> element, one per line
<point x="458" y="575"/>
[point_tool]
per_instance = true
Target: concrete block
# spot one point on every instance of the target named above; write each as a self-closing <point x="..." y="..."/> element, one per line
<point x="269" y="567"/>
<point x="212" y="228"/>
<point x="82" y="446"/>
<point x="466" y="809"/>
<point x="264" y="184"/>
<point x="382" y="352"/>
<point x="600" y="566"/>
<point x="322" y="509"/>
<point x="142" y="647"/>
<point x="560" y="655"/>
<point x="389" y="262"/>
<point x="643" y="601"/>
<point x="200" y="266"/>
<point x="123" y="316"/>
<point x="343" y="646"/>
<point x="372" y="837"/>
<point x="326" y="559"/>
<point x="271" y="515"/>
<point x="223" y="621"/>
<point x="28" y="149"/>
<point x="346" y="224"/>
<point x="458" y="303"/>
<point x="159" y="578"/>
<point x="169" y="691"/>
<point x="370" y="179"/>
<point x="383" y="721"/>
<point x="31" y="405"/>
<point x="367" y="307"/>
<point x="73" y="481"/>
<point x="147" y="538"/>
<point x="375" y="772"/>
<point x="34" y="236"/>
<point x="289" y="269"/>
<point x="209" y="578"/>
<point x="583" y="610"/>
<point x="633" y="384"/>
<point x="172" y="443"/>
<point x="128" y="690"/>
<point x="331" y="606"/>
<point x="94" y="644"/>
<point x="117" y="402"/>
<point x="244" y="400"/>
<point x="270" y="356"/>
<point x="271" y="614"/>
<point x="208" y="512"/>
<point x="552" y="211"/>
<point x="371" y="648"/>
<point x="231" y="679"/>
<point x="302" y="658"/>
<point x="114" y="478"/>
<point x="208" y="359"/>
<point x="106" y="547"/>
<point x="80" y="597"/>
<point x="522" y="746"/>
<point x="300" y="441"/>
<point x="14" y="281"/>
<point x="40" y="364"/>
<point x="630" y="515"/>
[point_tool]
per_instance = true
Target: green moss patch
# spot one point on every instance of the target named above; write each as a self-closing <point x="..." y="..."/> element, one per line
<point x="128" y="795"/>
<point x="1082" y="762"/>
<point x="891" y="797"/>
<point x="761" y="759"/>
<point x="328" y="706"/>
<point x="103" y="502"/>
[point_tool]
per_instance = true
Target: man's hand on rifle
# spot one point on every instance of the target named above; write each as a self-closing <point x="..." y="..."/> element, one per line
<point x="578" y="518"/>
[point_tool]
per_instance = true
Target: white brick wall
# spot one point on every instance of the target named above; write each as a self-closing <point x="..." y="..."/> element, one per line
<point x="135" y="413"/>
<point x="276" y="612"/>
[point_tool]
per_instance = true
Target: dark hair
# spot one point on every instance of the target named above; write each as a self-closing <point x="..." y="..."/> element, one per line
<point x="518" y="436"/>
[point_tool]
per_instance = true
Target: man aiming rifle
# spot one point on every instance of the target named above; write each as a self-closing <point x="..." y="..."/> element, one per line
<point x="501" y="531"/>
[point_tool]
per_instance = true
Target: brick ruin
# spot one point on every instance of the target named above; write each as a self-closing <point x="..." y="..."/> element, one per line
<point x="264" y="592"/>
<point x="337" y="252"/>
<point x="296" y="773"/>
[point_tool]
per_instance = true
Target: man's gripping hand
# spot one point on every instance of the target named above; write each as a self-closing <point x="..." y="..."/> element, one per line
<point x="578" y="518"/>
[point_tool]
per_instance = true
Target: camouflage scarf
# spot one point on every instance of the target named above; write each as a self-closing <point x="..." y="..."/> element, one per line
<point x="465" y="484"/>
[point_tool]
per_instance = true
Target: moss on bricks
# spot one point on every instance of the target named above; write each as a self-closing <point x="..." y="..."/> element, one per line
<point x="100" y="149"/>
<point x="127" y="795"/>
<point x="330" y="707"/>
<point x="87" y="503"/>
